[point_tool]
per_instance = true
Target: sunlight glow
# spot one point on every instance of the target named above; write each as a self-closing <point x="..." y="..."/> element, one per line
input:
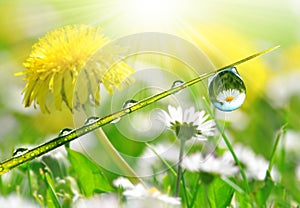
<point x="153" y="12"/>
<point x="154" y="9"/>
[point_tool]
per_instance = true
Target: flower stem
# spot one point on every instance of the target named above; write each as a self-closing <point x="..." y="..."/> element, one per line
<point x="179" y="170"/>
<point x="51" y="190"/>
<point x="29" y="181"/>
<point x="42" y="149"/>
<point x="186" y="192"/>
<point x="195" y="191"/>
<point x="117" y="158"/>
<point x="278" y="137"/>
<point x="1" y="185"/>
<point x="229" y="146"/>
<point x="237" y="161"/>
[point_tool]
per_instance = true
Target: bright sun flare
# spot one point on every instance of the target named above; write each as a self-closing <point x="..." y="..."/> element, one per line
<point x="153" y="12"/>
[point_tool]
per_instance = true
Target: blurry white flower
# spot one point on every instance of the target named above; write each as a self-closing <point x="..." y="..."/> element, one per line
<point x="281" y="88"/>
<point x="16" y="201"/>
<point x="218" y="165"/>
<point x="99" y="201"/>
<point x="292" y="141"/>
<point x="148" y="160"/>
<point x="188" y="124"/>
<point x="137" y="191"/>
<point x="255" y="166"/>
<point x="238" y="120"/>
<point x="168" y="151"/>
<point x="123" y="183"/>
<point x="139" y="196"/>
<point x="8" y="124"/>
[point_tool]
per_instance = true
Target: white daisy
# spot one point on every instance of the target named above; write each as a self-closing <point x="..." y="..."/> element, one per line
<point x="255" y="166"/>
<point x="217" y="165"/>
<point x="99" y="200"/>
<point x="123" y="183"/>
<point x="292" y="141"/>
<point x="14" y="200"/>
<point x="150" y="197"/>
<point x="230" y="99"/>
<point x="149" y="164"/>
<point x="279" y="93"/>
<point x="188" y="124"/>
<point x="142" y="194"/>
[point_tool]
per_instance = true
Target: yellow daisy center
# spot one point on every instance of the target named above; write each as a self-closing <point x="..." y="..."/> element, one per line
<point x="229" y="98"/>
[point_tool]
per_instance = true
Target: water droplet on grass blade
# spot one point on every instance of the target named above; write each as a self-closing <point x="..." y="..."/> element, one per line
<point x="115" y="121"/>
<point x="65" y="131"/>
<point x="90" y="120"/>
<point x="129" y="103"/>
<point x="177" y="83"/>
<point x="20" y="151"/>
<point x="227" y="90"/>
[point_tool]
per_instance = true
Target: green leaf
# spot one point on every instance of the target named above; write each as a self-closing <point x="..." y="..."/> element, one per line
<point x="90" y="175"/>
<point x="201" y="200"/>
<point x="243" y="200"/>
<point x="57" y="166"/>
<point x="264" y="193"/>
<point x="166" y="182"/>
<point x="219" y="193"/>
<point x="52" y="198"/>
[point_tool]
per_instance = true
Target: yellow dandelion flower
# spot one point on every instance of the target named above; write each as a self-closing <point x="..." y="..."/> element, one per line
<point x="56" y="61"/>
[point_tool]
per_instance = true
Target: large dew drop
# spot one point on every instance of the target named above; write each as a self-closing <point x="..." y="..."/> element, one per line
<point x="227" y="90"/>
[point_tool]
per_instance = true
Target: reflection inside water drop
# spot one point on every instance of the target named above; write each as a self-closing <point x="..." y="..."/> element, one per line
<point x="227" y="90"/>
